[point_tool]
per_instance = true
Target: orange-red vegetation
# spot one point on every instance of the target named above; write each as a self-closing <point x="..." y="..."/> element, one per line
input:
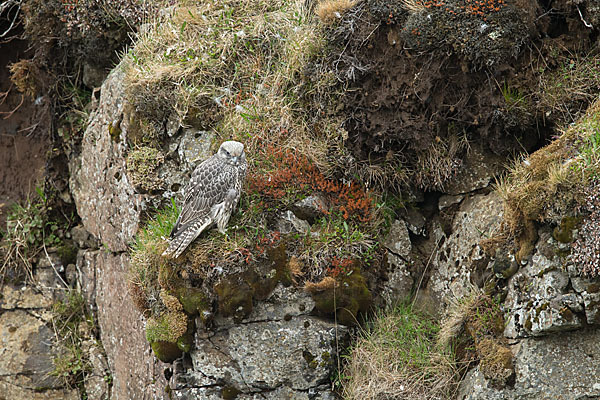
<point x="293" y="173"/>
<point x="339" y="266"/>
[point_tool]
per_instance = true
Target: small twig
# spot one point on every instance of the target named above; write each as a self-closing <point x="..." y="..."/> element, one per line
<point x="53" y="267"/>
<point x="587" y="24"/>
<point x="10" y="113"/>
<point x="8" y="5"/>
<point x="425" y="270"/>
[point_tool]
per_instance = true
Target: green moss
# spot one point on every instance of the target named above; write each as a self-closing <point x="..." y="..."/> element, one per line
<point x="142" y="168"/>
<point x="230" y="393"/>
<point x="184" y="343"/>
<point x="114" y="131"/>
<point x="234" y="296"/>
<point x="236" y="292"/>
<point x="166" y="351"/>
<point x="193" y="300"/>
<point x="564" y="232"/>
<point x="345" y="301"/>
<point x="168" y="326"/>
<point x="310" y="359"/>
<point x="67" y="252"/>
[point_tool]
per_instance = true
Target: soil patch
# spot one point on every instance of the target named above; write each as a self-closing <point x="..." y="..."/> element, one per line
<point x="24" y="134"/>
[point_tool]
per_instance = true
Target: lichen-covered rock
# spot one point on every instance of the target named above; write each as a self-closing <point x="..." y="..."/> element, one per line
<point x="97" y="381"/>
<point x="478" y="171"/>
<point x="288" y="223"/>
<point x="135" y="372"/>
<point x="460" y="257"/>
<point x="397" y="240"/>
<point x="399" y="282"/>
<point x="311" y="207"/>
<point x="559" y="366"/>
<point x="194" y="146"/>
<point x="539" y="300"/>
<point x="263" y="356"/>
<point x="277" y="350"/>
<point x="106" y="201"/>
<point x="26" y="358"/>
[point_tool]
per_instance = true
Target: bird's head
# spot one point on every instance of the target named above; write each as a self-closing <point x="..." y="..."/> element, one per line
<point x="232" y="152"/>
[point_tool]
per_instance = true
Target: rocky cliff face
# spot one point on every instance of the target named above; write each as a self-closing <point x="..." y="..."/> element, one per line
<point x="279" y="349"/>
<point x="276" y="339"/>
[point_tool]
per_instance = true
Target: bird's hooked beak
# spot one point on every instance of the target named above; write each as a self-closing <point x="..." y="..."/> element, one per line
<point x="234" y="159"/>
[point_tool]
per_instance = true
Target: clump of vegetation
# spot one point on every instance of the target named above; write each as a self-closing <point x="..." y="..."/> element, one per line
<point x="142" y="168"/>
<point x="474" y="325"/>
<point x="484" y="32"/>
<point x="73" y="328"/>
<point x="28" y="231"/>
<point x="397" y="357"/>
<point x="440" y="162"/>
<point x="146" y="260"/>
<point x="566" y="92"/>
<point x="550" y="184"/>
<point x="330" y="11"/>
<point x="286" y="175"/>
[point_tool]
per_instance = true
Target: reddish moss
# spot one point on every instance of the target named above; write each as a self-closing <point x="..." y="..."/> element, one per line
<point x="292" y="174"/>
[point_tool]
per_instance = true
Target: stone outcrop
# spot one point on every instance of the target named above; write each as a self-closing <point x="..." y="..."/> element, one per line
<point x="459" y="260"/>
<point x="106" y="201"/>
<point x="280" y="349"/>
<point x="27" y="340"/>
<point x="559" y="366"/>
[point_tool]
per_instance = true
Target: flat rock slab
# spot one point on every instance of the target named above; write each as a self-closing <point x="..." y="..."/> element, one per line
<point x="560" y="366"/>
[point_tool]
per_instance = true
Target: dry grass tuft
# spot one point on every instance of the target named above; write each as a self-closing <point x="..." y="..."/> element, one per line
<point x="330" y="11"/>
<point x="440" y="162"/>
<point x="398" y="358"/>
<point x="326" y="283"/>
<point x="459" y="311"/>
<point x="413" y="6"/>
<point x="26" y="75"/>
<point x="551" y="182"/>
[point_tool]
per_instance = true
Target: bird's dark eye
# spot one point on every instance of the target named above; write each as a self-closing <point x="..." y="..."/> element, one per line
<point x="226" y="152"/>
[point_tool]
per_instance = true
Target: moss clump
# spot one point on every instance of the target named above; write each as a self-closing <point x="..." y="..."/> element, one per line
<point x="169" y="334"/>
<point x="184" y="343"/>
<point x="166" y="351"/>
<point x="234" y="296"/>
<point x="564" y="232"/>
<point x="230" y="393"/>
<point x="310" y="359"/>
<point x="236" y="292"/>
<point x="193" y="300"/>
<point x="142" y="168"/>
<point x="344" y="299"/>
<point x="147" y="264"/>
<point x="168" y="326"/>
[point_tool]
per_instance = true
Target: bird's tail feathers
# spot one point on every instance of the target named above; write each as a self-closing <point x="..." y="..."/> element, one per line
<point x="182" y="240"/>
